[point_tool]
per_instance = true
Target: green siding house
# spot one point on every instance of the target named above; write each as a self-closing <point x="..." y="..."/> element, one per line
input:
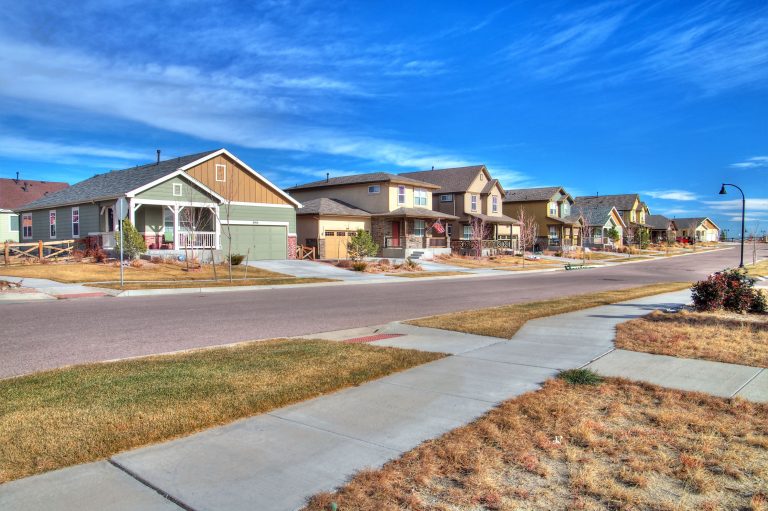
<point x="206" y="202"/>
<point x="14" y="193"/>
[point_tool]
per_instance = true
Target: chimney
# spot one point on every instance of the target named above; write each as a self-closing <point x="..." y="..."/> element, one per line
<point x="327" y="176"/>
<point x="17" y="177"/>
<point x="433" y="167"/>
<point x="158" y="156"/>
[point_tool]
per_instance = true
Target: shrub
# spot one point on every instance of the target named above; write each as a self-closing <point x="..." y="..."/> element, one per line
<point x="344" y="263"/>
<point x="97" y="253"/>
<point x="236" y="259"/>
<point x="411" y="265"/>
<point x="78" y="255"/>
<point x="133" y="242"/>
<point x="759" y="302"/>
<point x="359" y="265"/>
<point x="385" y="262"/>
<point x="137" y="263"/>
<point x="361" y="245"/>
<point x="732" y="290"/>
<point x="580" y="377"/>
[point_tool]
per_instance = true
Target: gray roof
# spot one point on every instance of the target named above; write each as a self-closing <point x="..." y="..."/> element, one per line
<point x="686" y="223"/>
<point x="593" y="214"/>
<point x="532" y="194"/>
<point x="657" y="222"/>
<point x="622" y="202"/>
<point x="501" y="219"/>
<point x="416" y="213"/>
<point x="374" y="177"/>
<point x="331" y="207"/>
<point x="451" y="180"/>
<point x="113" y="184"/>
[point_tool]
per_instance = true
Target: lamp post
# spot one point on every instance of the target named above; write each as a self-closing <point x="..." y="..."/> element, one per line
<point x="743" y="209"/>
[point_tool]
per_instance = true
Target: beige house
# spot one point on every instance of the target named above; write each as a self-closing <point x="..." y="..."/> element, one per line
<point x="633" y="211"/>
<point x="476" y="200"/>
<point x="400" y="216"/>
<point x="697" y="229"/>
<point x="559" y="225"/>
<point x="599" y="221"/>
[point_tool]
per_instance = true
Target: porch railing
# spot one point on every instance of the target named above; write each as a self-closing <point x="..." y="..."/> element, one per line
<point x="197" y="240"/>
<point x="394" y="242"/>
<point x="438" y="242"/>
<point x="498" y="244"/>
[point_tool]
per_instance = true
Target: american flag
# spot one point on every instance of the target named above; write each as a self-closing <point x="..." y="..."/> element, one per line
<point x="438" y="227"/>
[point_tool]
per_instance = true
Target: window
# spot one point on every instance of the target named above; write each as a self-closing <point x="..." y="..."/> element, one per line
<point x="221" y="173"/>
<point x="449" y="229"/>
<point x="419" y="227"/>
<point x="467" y="232"/>
<point x="553" y="232"/>
<point x="330" y="233"/>
<point x="446" y="197"/>
<point x="177" y="190"/>
<point x="566" y="209"/>
<point x="26" y="226"/>
<point x="473" y="202"/>
<point x="75" y="222"/>
<point x="401" y="194"/>
<point x="552" y="209"/>
<point x="52" y="223"/>
<point x="419" y="197"/>
<point x="14" y="227"/>
<point x="495" y="204"/>
<point x="632" y="216"/>
<point x="374" y="189"/>
<point x="168" y="225"/>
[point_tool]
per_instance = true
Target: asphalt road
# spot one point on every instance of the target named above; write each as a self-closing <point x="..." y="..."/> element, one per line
<point x="37" y="336"/>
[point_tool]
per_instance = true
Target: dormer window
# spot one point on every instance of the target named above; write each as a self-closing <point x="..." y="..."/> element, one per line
<point x="552" y="209"/>
<point x="566" y="208"/>
<point x="473" y="202"/>
<point x="495" y="204"/>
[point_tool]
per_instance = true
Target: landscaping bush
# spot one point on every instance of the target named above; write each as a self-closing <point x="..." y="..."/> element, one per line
<point x="344" y="263"/>
<point x="133" y="242"/>
<point x="732" y="290"/>
<point x="361" y="245"/>
<point x="580" y="377"/>
<point x="236" y="259"/>
<point x="97" y="253"/>
<point x="385" y="262"/>
<point x="411" y="265"/>
<point x="359" y="265"/>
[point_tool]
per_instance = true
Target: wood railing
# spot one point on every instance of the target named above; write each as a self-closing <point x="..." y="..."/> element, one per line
<point x="304" y="252"/>
<point x="38" y="249"/>
<point x="438" y="242"/>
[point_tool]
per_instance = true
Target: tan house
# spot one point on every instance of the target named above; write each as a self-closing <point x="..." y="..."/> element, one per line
<point x="552" y="208"/>
<point x="633" y="211"/>
<point x="401" y="219"/>
<point x="476" y="199"/>
<point x="600" y="221"/>
<point x="697" y="229"/>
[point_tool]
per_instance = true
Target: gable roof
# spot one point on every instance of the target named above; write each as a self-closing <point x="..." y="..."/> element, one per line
<point x="685" y="223"/>
<point x="451" y="180"/>
<point x="658" y="222"/>
<point x="595" y="214"/>
<point x="622" y="202"/>
<point x="115" y="183"/>
<point x="533" y="194"/>
<point x="331" y="207"/>
<point x="373" y="177"/>
<point x="14" y="193"/>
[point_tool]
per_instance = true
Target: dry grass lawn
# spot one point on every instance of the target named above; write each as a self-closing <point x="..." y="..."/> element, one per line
<point x="506" y="320"/>
<point x="620" y="446"/>
<point x="74" y="415"/>
<point x="99" y="272"/>
<point x="722" y="337"/>
<point x="758" y="270"/>
<point x="215" y="283"/>
<point x="501" y="262"/>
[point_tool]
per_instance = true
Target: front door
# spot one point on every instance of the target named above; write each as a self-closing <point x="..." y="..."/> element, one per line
<point x="395" y="233"/>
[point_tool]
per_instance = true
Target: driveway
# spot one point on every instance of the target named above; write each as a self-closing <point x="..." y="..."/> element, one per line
<point x="317" y="270"/>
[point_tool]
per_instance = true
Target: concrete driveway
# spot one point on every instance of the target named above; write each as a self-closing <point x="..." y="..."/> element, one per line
<point x="317" y="270"/>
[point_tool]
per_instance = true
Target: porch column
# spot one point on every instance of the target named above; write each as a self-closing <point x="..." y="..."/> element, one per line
<point x="217" y="227"/>
<point x="131" y="212"/>
<point x="175" y="226"/>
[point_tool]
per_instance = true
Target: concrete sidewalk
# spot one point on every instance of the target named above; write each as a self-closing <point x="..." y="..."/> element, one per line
<point x="279" y="459"/>
<point x="44" y="288"/>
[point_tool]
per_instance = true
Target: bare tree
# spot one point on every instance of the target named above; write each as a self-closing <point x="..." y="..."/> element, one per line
<point x="754" y="231"/>
<point x="191" y="220"/>
<point x="479" y="233"/>
<point x="588" y="221"/>
<point x="528" y="230"/>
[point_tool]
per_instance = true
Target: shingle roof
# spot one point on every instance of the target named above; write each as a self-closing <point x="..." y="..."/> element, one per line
<point x="489" y="187"/>
<point x="622" y="202"/>
<point x="416" y="213"/>
<point x="501" y="219"/>
<point x="451" y="180"/>
<point x="593" y="214"/>
<point x="687" y="223"/>
<point x="373" y="177"/>
<point x="658" y="222"/>
<point x="331" y="207"/>
<point x="15" y="193"/>
<point x="531" y="194"/>
<point x="113" y="184"/>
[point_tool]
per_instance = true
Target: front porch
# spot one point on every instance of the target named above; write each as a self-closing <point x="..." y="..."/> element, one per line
<point x="417" y="234"/>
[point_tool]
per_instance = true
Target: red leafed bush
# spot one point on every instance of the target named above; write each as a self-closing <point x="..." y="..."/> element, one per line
<point x="732" y="290"/>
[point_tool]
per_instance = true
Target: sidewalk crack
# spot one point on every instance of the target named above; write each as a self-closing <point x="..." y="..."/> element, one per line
<point x="151" y="486"/>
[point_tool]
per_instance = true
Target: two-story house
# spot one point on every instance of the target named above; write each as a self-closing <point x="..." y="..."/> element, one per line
<point x="551" y="207"/>
<point x="475" y="198"/>
<point x="396" y="210"/>
<point x="633" y="211"/>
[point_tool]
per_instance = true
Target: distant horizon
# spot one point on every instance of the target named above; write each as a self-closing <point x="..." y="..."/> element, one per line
<point x="665" y="100"/>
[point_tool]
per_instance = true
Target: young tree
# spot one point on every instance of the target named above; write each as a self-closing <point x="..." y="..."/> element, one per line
<point x="361" y="245"/>
<point x="133" y="242"/>
<point x="528" y="230"/>
<point x="479" y="232"/>
<point x="191" y="221"/>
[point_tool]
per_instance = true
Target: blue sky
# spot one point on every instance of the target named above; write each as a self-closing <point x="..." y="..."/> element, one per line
<point x="666" y="99"/>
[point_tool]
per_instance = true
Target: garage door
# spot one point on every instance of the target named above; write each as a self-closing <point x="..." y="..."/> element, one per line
<point x="336" y="244"/>
<point x="257" y="241"/>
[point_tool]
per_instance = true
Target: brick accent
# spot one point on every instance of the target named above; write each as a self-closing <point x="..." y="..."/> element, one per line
<point x="292" y="244"/>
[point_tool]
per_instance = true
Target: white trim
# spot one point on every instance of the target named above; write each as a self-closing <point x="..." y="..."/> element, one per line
<point x="216" y="173"/>
<point x="254" y="222"/>
<point x="259" y="204"/>
<point x="249" y="169"/>
<point x="173" y="174"/>
<point x="31" y="226"/>
<point x="54" y="225"/>
<point x="179" y="187"/>
<point x="72" y="221"/>
<point x="159" y="202"/>
<point x="378" y="189"/>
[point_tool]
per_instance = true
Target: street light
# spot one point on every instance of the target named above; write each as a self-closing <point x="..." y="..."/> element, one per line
<point x="743" y="209"/>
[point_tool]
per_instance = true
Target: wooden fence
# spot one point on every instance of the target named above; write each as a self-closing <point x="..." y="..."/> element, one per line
<point x="39" y="249"/>
<point x="304" y="252"/>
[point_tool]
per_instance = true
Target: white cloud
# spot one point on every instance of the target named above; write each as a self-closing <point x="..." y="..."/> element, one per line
<point x="756" y="162"/>
<point x="57" y="152"/>
<point x="679" y="195"/>
<point x="753" y="206"/>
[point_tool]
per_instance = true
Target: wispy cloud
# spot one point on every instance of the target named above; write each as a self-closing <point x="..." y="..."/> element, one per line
<point x="680" y="195"/>
<point x="64" y="153"/>
<point x="733" y="206"/>
<point x="756" y="162"/>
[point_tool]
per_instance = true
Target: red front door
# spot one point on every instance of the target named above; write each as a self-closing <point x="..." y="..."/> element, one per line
<point x="396" y="234"/>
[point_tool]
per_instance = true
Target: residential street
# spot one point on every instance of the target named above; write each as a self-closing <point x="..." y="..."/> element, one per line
<point x="45" y="335"/>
